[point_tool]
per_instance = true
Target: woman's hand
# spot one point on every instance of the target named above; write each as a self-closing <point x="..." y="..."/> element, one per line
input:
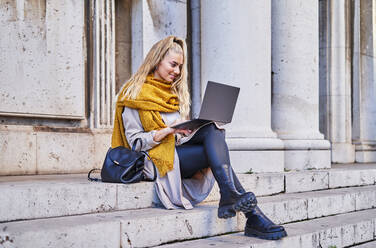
<point x="162" y="133"/>
<point x="181" y="131"/>
<point x="185" y="132"/>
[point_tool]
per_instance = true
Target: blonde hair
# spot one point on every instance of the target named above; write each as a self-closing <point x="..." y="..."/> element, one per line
<point x="132" y="87"/>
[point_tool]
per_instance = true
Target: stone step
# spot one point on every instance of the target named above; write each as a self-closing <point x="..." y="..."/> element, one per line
<point x="150" y="227"/>
<point x="339" y="176"/>
<point x="42" y="196"/>
<point x="334" y="231"/>
<point x="154" y="226"/>
<point x="371" y="244"/>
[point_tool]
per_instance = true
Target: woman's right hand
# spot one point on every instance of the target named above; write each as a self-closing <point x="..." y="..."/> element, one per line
<point x="162" y="133"/>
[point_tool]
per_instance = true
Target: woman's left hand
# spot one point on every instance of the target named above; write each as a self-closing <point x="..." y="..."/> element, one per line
<point x="181" y="131"/>
<point x="185" y="132"/>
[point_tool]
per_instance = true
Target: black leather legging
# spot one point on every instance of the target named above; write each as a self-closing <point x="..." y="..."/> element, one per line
<point x="207" y="148"/>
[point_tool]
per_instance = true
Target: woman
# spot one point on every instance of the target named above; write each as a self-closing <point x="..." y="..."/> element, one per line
<point x="155" y="98"/>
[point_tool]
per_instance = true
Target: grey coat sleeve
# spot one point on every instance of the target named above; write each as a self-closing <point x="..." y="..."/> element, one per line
<point x="133" y="129"/>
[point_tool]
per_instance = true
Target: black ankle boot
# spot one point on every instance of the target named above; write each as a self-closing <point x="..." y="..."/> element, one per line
<point x="231" y="199"/>
<point x="258" y="225"/>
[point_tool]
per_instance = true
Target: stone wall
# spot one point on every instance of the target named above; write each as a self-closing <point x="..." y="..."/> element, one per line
<point x="62" y="62"/>
<point x="42" y="59"/>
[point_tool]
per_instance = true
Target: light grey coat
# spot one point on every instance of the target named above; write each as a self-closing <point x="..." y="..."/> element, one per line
<point x="173" y="191"/>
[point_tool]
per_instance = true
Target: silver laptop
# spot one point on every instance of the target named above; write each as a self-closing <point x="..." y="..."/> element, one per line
<point x="218" y="106"/>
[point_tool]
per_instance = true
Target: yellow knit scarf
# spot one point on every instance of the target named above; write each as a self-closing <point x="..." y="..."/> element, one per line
<point x="155" y="97"/>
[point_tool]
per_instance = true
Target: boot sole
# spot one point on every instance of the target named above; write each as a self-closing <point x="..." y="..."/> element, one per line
<point x="246" y="203"/>
<point x="226" y="212"/>
<point x="269" y="236"/>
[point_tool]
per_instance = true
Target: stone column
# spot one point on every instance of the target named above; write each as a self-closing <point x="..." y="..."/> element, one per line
<point x="295" y="109"/>
<point x="335" y="79"/>
<point x="236" y="50"/>
<point x="153" y="20"/>
<point x="103" y="90"/>
<point x="364" y="86"/>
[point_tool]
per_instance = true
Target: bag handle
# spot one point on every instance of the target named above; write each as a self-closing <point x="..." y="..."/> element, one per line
<point x="135" y="143"/>
<point x="93" y="178"/>
<point x="154" y="167"/>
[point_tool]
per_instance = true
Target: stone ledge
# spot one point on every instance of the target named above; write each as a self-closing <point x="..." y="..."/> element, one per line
<point x="371" y="244"/>
<point x="45" y="196"/>
<point x="287" y="208"/>
<point x="336" y="231"/>
<point x="62" y="195"/>
<point x="339" y="176"/>
<point x="134" y="228"/>
<point x="149" y="227"/>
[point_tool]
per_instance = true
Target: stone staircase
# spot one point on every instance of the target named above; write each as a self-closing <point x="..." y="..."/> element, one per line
<point x="319" y="208"/>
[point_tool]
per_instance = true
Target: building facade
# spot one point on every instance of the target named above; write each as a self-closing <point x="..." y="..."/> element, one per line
<point x="306" y="70"/>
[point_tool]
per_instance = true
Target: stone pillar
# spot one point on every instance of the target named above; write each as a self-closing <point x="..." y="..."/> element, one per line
<point x="295" y="109"/>
<point x="153" y="20"/>
<point x="335" y="79"/>
<point x="103" y="89"/>
<point x="364" y="84"/>
<point x="236" y="50"/>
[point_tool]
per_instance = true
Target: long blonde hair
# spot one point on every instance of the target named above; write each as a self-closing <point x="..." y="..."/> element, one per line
<point x="132" y="87"/>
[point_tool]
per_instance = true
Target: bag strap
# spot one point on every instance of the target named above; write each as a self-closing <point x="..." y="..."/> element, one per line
<point x="93" y="178"/>
<point x="154" y="167"/>
<point x="135" y="143"/>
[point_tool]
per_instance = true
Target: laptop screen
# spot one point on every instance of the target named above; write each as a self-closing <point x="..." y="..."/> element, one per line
<point x="219" y="102"/>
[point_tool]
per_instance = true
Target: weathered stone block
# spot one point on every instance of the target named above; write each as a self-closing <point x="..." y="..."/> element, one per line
<point x="198" y="222"/>
<point x="351" y="177"/>
<point x="284" y="209"/>
<point x="46" y="198"/>
<point x="364" y="231"/>
<point x="306" y="181"/>
<point x="329" y="204"/>
<point x="50" y="41"/>
<point x="348" y="235"/>
<point x="102" y="141"/>
<point x="365" y="156"/>
<point x="307" y="159"/>
<point x="75" y="231"/>
<point x="258" y="183"/>
<point x="365" y="199"/>
<point x="262" y="183"/>
<point x="257" y="161"/>
<point x="134" y="196"/>
<point x="65" y="152"/>
<point x="18" y="152"/>
<point x="331" y="237"/>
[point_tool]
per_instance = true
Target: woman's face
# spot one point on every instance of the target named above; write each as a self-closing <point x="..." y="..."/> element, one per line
<point x="169" y="68"/>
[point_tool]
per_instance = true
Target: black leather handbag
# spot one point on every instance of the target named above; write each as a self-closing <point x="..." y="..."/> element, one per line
<point x="122" y="165"/>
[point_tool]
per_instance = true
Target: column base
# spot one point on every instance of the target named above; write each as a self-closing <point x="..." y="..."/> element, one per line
<point x="343" y="153"/>
<point x="365" y="156"/>
<point x="257" y="161"/>
<point x="307" y="159"/>
<point x="256" y="154"/>
<point x="307" y="154"/>
<point x="365" y="153"/>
